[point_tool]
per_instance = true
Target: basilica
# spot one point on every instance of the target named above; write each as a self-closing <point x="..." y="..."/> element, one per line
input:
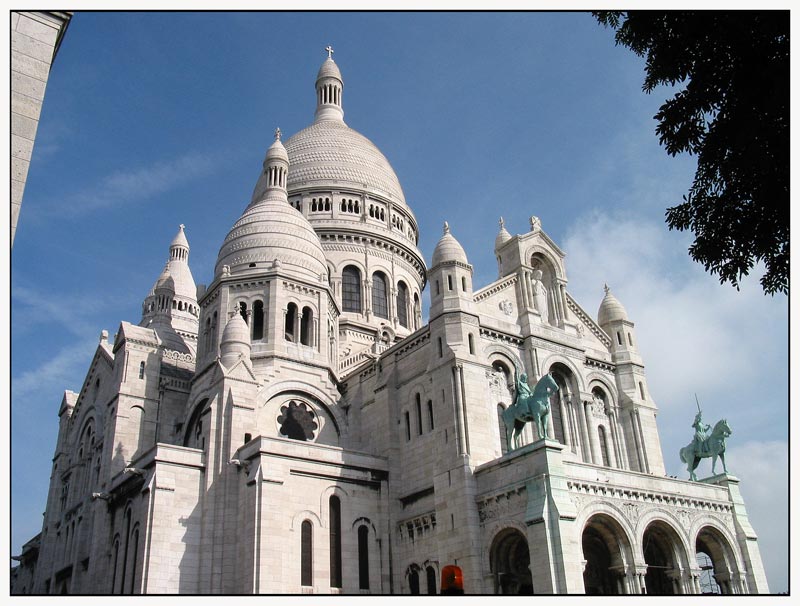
<point x="296" y="427"/>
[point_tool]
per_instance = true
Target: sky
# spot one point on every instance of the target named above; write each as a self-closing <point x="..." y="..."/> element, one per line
<point x="153" y="120"/>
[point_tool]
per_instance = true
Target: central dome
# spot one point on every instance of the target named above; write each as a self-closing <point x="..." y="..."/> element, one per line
<point x="331" y="153"/>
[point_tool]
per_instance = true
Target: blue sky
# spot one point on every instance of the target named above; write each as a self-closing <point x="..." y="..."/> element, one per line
<point x="152" y="120"/>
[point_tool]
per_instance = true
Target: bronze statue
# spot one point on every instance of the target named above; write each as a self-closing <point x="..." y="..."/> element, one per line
<point x="529" y="406"/>
<point x="705" y="445"/>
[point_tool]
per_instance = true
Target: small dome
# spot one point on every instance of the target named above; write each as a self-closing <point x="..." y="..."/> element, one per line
<point x="276" y="151"/>
<point x="611" y="310"/>
<point x="503" y="236"/>
<point x="268" y="231"/>
<point x="329" y="69"/>
<point x="236" y="331"/>
<point x="180" y="239"/>
<point x="448" y="249"/>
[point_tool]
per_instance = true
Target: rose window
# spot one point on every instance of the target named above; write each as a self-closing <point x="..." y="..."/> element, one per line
<point x="297" y="421"/>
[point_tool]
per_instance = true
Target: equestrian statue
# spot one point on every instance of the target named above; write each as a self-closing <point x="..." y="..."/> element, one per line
<point x="706" y="443"/>
<point x="529" y="405"/>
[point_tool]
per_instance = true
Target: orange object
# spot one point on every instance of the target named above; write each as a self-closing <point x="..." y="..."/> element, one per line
<point x="452" y="580"/>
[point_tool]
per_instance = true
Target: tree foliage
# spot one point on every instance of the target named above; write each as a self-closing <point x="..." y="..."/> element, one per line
<point x="733" y="113"/>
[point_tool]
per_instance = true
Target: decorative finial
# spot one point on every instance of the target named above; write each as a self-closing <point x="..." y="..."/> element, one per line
<point x="536" y="223"/>
<point x="181" y="226"/>
<point x="502" y="223"/>
<point x="277" y="134"/>
<point x="329" y="48"/>
<point x="446" y="227"/>
<point x="606" y="288"/>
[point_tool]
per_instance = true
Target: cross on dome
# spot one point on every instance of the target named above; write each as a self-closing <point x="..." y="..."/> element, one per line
<point x="446" y="227"/>
<point x="277" y="134"/>
<point x="181" y="226"/>
<point x="329" y="48"/>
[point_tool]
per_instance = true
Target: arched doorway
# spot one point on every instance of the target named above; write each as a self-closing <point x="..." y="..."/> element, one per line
<point x="662" y="553"/>
<point x="716" y="562"/>
<point x="606" y="550"/>
<point x="510" y="563"/>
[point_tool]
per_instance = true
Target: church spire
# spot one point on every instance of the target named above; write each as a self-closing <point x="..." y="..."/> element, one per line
<point x="329" y="90"/>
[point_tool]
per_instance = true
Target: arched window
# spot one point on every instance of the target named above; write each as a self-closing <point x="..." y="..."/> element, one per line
<point x="134" y="559"/>
<point x="601" y="433"/>
<point x="402" y="304"/>
<point x="291" y="319"/>
<point x="243" y="312"/>
<point x="351" y="289"/>
<point x="430" y="573"/>
<point x="413" y="582"/>
<point x="363" y="557"/>
<point x="630" y="340"/>
<point x="115" y="565"/>
<point x="335" y="511"/>
<point x="127" y="523"/>
<point x="141" y="370"/>
<point x="449" y="282"/>
<point x="419" y="415"/>
<point x="380" y="301"/>
<point x="408" y="425"/>
<point x="641" y="389"/>
<point x="471" y="344"/>
<point x="306" y="326"/>
<point x="258" y="320"/>
<point x="441" y="351"/>
<point x="306" y="559"/>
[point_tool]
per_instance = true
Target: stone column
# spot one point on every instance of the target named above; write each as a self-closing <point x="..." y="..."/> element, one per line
<point x="586" y="447"/>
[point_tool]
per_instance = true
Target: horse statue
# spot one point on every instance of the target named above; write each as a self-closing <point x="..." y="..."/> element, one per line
<point x="529" y="406"/>
<point x="703" y="447"/>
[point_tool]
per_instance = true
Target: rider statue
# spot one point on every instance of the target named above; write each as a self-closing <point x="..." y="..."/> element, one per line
<point x="523" y="389"/>
<point x="700" y="434"/>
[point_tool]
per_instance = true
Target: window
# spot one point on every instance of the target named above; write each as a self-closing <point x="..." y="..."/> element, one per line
<point x="335" y="511"/>
<point x="430" y="573"/>
<point x="471" y="344"/>
<point x="363" y="557"/>
<point x="380" y="305"/>
<point x="141" y="370"/>
<point x="619" y="338"/>
<point x="116" y="564"/>
<point x="430" y="414"/>
<point x="351" y="289"/>
<point x="135" y="541"/>
<point x="306" y="326"/>
<point x="306" y="560"/>
<point x="441" y="351"/>
<point x="413" y="582"/>
<point x="408" y="426"/>
<point x="258" y="320"/>
<point x="417" y="312"/>
<point x="438" y="291"/>
<point x="601" y="432"/>
<point x="291" y="318"/>
<point x="243" y="311"/>
<point x="641" y="390"/>
<point x="463" y="284"/>
<point x="449" y="282"/>
<point x="419" y="415"/>
<point x="630" y="340"/>
<point x="402" y="304"/>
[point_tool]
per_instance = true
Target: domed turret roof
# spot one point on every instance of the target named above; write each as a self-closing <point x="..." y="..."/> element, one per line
<point x="236" y="331"/>
<point x="176" y="275"/>
<point x="502" y="236"/>
<point x="448" y="249"/>
<point x="329" y="69"/>
<point x="611" y="310"/>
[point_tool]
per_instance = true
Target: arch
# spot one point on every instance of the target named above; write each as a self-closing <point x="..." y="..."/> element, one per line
<point x="363" y="556"/>
<point x="243" y="312"/>
<point x="721" y="571"/>
<point x="351" y="289"/>
<point x="607" y="551"/>
<point x="509" y="563"/>
<point x="665" y="555"/>
<point x="430" y="578"/>
<point x="380" y="295"/>
<point x="545" y="257"/>
<point x="275" y="394"/>
<point x="258" y="320"/>
<point x="290" y="323"/>
<point x="412" y="576"/>
<point x="307" y="327"/>
<point x="561" y="402"/>
<point x="194" y="428"/>
<point x="402" y="304"/>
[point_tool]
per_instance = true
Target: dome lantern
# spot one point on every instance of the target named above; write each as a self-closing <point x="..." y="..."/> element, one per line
<point x="329" y="87"/>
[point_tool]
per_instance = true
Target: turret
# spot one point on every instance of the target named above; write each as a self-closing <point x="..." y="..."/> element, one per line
<point x="235" y="342"/>
<point x="503" y="237"/>
<point x="329" y="87"/>
<point x="612" y="318"/>
<point x="450" y="276"/>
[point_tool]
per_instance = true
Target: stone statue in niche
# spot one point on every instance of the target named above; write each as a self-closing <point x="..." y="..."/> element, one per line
<point x="539" y="294"/>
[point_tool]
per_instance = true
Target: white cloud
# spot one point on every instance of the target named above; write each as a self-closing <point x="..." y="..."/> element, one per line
<point x="136" y="184"/>
<point x="49" y="379"/>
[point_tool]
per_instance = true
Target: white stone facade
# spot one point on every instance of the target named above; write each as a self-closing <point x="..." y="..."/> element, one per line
<point x="295" y="428"/>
